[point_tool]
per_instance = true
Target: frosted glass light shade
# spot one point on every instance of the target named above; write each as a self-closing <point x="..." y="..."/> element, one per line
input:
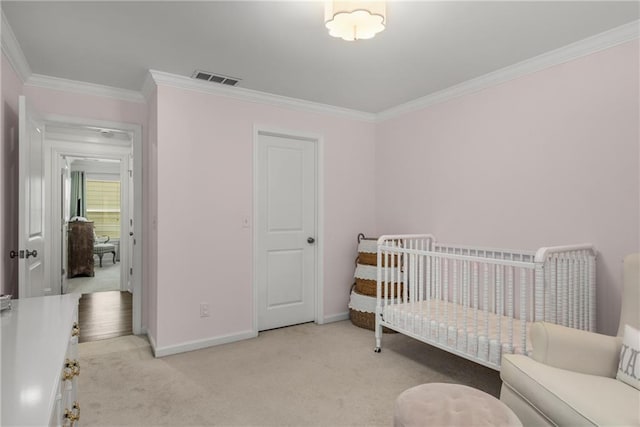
<point x="356" y="19"/>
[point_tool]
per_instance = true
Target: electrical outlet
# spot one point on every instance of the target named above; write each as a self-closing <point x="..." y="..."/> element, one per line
<point x="204" y="309"/>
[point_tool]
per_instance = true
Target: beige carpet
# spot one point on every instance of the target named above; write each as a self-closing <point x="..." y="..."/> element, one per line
<point x="305" y="375"/>
<point x="106" y="278"/>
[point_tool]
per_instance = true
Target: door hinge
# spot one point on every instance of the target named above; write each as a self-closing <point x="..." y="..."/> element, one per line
<point x="131" y="271"/>
<point x="130" y="173"/>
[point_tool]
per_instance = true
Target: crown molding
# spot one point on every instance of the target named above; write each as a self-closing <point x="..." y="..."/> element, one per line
<point x="188" y="83"/>
<point x="593" y="44"/>
<point x="13" y="52"/>
<point x="84" y="88"/>
<point x="148" y="87"/>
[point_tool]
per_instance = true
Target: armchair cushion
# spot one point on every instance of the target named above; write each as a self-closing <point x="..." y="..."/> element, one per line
<point x="629" y="366"/>
<point x="100" y="239"/>
<point x="570" y="398"/>
<point x="575" y="350"/>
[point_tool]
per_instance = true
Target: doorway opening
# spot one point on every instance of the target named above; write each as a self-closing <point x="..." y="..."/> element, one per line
<point x="95" y="214"/>
<point x="93" y="186"/>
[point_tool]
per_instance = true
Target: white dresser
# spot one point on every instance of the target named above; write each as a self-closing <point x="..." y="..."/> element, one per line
<point x="40" y="362"/>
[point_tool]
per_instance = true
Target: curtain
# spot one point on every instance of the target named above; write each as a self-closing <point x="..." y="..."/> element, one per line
<point x="78" y="194"/>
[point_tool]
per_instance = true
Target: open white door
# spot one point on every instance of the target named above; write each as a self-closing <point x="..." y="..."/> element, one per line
<point x="31" y="230"/>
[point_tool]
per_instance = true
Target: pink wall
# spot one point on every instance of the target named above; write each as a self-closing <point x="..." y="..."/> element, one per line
<point x="205" y="145"/>
<point x="11" y="88"/>
<point x="48" y="101"/>
<point x="549" y="158"/>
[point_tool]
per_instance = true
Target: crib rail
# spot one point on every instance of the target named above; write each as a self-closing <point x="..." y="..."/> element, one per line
<point x="566" y="285"/>
<point x="507" y="254"/>
<point x="478" y="302"/>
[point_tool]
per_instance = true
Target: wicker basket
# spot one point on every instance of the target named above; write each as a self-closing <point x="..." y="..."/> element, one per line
<point x="364" y="290"/>
<point x="367" y="253"/>
<point x="366" y="321"/>
<point x="370" y="288"/>
<point x="367" y="258"/>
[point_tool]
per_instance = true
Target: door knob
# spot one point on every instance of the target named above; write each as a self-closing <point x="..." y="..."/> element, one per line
<point x="310" y="240"/>
<point x="21" y="254"/>
<point x="131" y="233"/>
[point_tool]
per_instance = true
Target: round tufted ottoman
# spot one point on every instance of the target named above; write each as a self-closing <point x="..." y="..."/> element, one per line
<point x="438" y="404"/>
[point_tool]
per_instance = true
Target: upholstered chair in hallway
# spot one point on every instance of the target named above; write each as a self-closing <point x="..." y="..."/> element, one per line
<point x="102" y="246"/>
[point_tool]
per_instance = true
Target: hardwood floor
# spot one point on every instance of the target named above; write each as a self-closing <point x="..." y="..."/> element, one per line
<point x="103" y="315"/>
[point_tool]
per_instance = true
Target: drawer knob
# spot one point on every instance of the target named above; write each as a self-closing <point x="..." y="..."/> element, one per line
<point x="71" y="369"/>
<point x="75" y="330"/>
<point x="72" y="415"/>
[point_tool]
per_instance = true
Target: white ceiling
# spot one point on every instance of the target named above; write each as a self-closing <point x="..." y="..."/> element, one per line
<point x="283" y="48"/>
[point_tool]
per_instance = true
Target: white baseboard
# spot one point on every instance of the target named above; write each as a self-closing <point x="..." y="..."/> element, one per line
<point x="336" y="317"/>
<point x="151" y="341"/>
<point x="199" y="344"/>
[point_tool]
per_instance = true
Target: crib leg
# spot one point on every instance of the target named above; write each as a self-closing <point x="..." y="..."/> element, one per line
<point x="378" y="334"/>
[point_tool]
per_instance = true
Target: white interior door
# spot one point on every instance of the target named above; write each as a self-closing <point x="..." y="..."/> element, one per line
<point x="286" y="230"/>
<point x="31" y="229"/>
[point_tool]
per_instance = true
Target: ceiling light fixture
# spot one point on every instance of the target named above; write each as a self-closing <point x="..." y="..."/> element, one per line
<point x="356" y="19"/>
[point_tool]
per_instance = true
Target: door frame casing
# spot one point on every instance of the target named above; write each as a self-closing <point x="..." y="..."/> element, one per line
<point x="116" y="151"/>
<point x="318" y="142"/>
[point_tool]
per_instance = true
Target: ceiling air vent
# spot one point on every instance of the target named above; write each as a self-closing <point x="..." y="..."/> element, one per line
<point x="215" y="78"/>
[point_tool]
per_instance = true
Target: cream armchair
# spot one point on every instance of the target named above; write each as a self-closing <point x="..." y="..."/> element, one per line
<point x="571" y="377"/>
<point x="102" y="246"/>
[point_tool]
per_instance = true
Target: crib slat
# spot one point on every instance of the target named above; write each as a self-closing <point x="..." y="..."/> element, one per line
<point x="510" y="312"/>
<point x="429" y="295"/>
<point x="421" y="283"/>
<point x="553" y="289"/>
<point x="456" y="294"/>
<point x="476" y="307"/>
<point x="539" y="301"/>
<point x="499" y="285"/>
<point x="583" y="294"/>
<point x="592" y="293"/>
<point x="466" y="298"/>
<point x="523" y="310"/>
<point x="565" y="291"/>
<point x="485" y="303"/>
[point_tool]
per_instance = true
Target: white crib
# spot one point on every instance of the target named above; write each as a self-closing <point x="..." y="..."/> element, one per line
<point x="478" y="302"/>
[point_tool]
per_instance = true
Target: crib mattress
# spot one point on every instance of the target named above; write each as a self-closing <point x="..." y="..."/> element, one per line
<point x="452" y="326"/>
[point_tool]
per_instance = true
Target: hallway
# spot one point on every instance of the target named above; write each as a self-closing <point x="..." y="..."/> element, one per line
<point x="103" y="315"/>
